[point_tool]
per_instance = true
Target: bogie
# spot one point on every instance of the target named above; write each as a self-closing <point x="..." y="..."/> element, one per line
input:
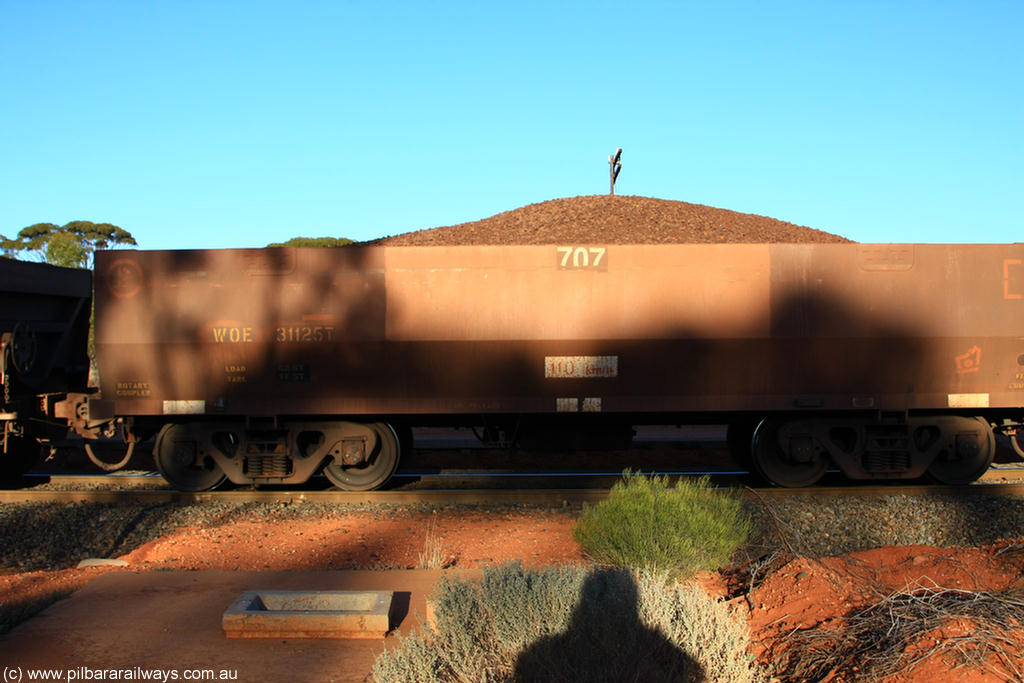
<point x="199" y="456"/>
<point x="948" y="449"/>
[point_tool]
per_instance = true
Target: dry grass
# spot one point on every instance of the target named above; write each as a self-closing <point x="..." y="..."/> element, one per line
<point x="975" y="629"/>
<point x="433" y="556"/>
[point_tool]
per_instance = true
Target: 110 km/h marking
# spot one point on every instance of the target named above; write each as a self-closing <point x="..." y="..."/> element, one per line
<point x="580" y="367"/>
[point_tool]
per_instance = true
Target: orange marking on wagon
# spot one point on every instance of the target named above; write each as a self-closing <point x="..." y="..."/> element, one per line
<point x="1007" y="294"/>
<point x="969" y="362"/>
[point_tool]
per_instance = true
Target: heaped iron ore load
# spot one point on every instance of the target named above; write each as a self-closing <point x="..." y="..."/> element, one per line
<point x="263" y="366"/>
<point x="614" y="219"/>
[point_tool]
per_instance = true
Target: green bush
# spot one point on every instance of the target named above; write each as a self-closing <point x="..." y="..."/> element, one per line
<point x="313" y="242"/>
<point x="647" y="524"/>
<point x="572" y="624"/>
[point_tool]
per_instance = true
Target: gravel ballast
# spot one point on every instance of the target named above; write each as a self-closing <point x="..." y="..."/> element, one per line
<point x="826" y="526"/>
<point x="58" y="536"/>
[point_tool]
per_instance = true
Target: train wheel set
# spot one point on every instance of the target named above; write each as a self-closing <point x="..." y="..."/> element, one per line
<point x="199" y="456"/>
<point x="797" y="452"/>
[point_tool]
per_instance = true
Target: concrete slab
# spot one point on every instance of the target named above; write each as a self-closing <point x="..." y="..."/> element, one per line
<point x="309" y="614"/>
<point x="171" y="621"/>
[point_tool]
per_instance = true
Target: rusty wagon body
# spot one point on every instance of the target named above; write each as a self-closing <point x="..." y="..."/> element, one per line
<point x="265" y="365"/>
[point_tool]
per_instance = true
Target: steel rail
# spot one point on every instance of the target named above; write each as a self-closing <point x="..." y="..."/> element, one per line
<point x="135" y="479"/>
<point x="485" y="497"/>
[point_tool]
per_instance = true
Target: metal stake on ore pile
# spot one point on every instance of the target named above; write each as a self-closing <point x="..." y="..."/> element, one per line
<point x="614" y="166"/>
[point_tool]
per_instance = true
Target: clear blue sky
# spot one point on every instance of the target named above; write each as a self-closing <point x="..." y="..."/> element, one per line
<point x="219" y="124"/>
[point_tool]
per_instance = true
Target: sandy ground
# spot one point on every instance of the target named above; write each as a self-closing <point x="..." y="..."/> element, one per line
<point x="790" y="596"/>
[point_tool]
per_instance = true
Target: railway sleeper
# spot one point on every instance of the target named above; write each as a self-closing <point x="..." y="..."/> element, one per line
<point x="948" y="449"/>
<point x="198" y="456"/>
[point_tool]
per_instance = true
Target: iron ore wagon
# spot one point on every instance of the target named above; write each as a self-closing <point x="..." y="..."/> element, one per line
<point x="265" y="366"/>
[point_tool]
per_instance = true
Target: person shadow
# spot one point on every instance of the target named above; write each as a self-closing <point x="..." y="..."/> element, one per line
<point x="607" y="642"/>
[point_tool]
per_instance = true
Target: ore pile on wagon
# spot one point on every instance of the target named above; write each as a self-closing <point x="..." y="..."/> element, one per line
<point x="563" y="325"/>
<point x="613" y="219"/>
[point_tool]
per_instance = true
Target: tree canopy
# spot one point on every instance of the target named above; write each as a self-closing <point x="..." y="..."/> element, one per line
<point x="70" y="245"/>
<point x="313" y="242"/>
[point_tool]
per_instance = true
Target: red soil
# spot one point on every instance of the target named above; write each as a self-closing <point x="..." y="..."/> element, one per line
<point x="803" y="594"/>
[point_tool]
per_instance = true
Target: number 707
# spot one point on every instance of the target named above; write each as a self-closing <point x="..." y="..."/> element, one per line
<point x="581" y="257"/>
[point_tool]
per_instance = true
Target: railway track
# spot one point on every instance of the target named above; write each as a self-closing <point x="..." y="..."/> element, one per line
<point x="469" y="496"/>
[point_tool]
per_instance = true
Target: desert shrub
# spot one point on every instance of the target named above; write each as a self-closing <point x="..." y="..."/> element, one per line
<point x="647" y="524"/>
<point x="696" y="623"/>
<point x="481" y="626"/>
<point x="571" y="624"/>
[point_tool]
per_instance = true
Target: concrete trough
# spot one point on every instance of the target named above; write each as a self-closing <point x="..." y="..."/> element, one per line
<point x="309" y="614"/>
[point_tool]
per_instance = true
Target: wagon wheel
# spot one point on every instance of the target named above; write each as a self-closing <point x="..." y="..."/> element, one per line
<point x="780" y="465"/>
<point x="381" y="462"/>
<point x="22" y="455"/>
<point x="965" y="459"/>
<point x="183" y="456"/>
